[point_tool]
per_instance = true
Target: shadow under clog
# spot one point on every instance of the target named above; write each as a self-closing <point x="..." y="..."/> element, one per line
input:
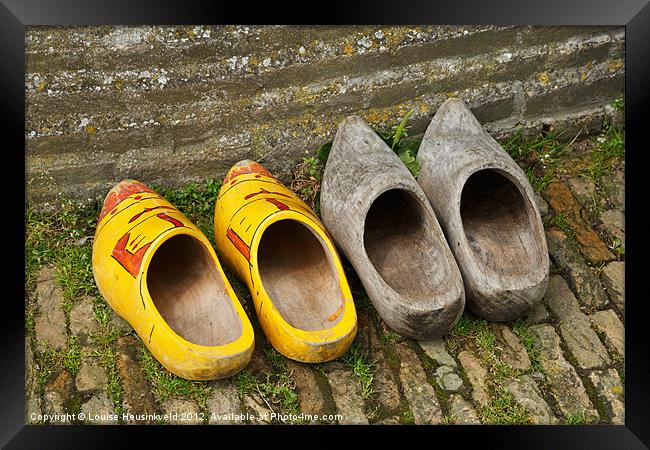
<point x="159" y="272"/>
<point x="488" y="211"/>
<point x="272" y="241"/>
<point x="383" y="222"/>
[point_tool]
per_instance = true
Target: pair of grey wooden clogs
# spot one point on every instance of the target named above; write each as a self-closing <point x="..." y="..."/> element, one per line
<point x="469" y="226"/>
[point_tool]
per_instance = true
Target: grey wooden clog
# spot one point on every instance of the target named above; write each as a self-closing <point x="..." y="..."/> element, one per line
<point x="381" y="219"/>
<point x="488" y="212"/>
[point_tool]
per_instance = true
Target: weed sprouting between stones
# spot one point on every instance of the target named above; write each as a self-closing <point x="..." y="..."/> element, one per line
<point x="278" y="362"/>
<point x="468" y="325"/>
<point x="114" y="390"/>
<point x="407" y="417"/>
<point x="609" y="151"/>
<point x="362" y="369"/>
<point x="559" y="221"/>
<point x="165" y="384"/>
<point x="502" y="408"/>
<point x="277" y="390"/>
<point x="405" y="150"/>
<point x="48" y="361"/>
<point x="580" y="418"/>
<point x="307" y="177"/>
<point x="520" y="328"/>
<point x="539" y="156"/>
<point x="71" y="357"/>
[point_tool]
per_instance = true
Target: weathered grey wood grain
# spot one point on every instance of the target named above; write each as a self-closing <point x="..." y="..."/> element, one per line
<point x="488" y="212"/>
<point x="381" y="219"/>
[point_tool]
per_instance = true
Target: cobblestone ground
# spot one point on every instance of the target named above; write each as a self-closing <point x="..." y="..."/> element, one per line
<point x="563" y="363"/>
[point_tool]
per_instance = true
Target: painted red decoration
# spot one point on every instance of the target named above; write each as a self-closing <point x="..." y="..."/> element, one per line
<point x="281" y="206"/>
<point x="239" y="244"/>
<point x="119" y="193"/>
<point x="130" y="261"/>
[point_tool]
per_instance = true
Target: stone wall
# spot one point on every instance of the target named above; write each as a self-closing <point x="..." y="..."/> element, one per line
<point x="170" y="105"/>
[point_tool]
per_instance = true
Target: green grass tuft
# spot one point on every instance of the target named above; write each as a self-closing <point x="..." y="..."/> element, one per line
<point x="278" y="362"/>
<point x="165" y="384"/>
<point x="559" y="221"/>
<point x="62" y="238"/>
<point x="71" y="357"/>
<point x="469" y="325"/>
<point x="520" y="328"/>
<point x="114" y="390"/>
<point x="245" y="382"/>
<point x="503" y="410"/>
<point x="389" y="338"/>
<point x="277" y="390"/>
<point x="74" y="272"/>
<point x="608" y="153"/>
<point x="362" y="368"/>
<point x="405" y="150"/>
<point x="47" y="364"/>
<point x="406" y="417"/>
<point x="579" y="418"/>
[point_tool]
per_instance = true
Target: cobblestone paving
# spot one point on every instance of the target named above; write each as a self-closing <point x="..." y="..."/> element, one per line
<point x="563" y="363"/>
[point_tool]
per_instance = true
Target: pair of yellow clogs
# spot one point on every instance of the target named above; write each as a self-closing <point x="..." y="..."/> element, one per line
<point x="159" y="272"/>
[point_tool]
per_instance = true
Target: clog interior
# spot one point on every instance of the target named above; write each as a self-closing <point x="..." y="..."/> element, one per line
<point x="402" y="244"/>
<point x="498" y="223"/>
<point x="188" y="291"/>
<point x="299" y="276"/>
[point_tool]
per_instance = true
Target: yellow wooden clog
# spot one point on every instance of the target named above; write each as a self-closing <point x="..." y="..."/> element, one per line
<point x="160" y="273"/>
<point x="272" y="241"/>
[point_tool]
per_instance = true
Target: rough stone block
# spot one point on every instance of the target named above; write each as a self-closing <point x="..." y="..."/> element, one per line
<point x="613" y="277"/>
<point x="462" y="411"/>
<point x="608" y="323"/>
<point x="580" y="338"/>
<point x="349" y="403"/>
<point x="312" y="400"/>
<point x="511" y="350"/>
<point x="611" y="391"/>
<point x="418" y="392"/>
<point x="49" y="323"/>
<point x="99" y="410"/>
<point x="224" y="405"/>
<point x="83" y="323"/>
<point x="91" y="376"/>
<point x="582" y="279"/>
<point x="138" y="400"/>
<point x="477" y="376"/>
<point x="562" y="201"/>
<point x="529" y="397"/>
<point x="181" y="411"/>
<point x="564" y="383"/>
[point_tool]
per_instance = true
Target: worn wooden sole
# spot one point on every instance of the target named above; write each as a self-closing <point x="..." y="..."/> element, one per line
<point x="488" y="212"/>
<point x="381" y="219"/>
<point x="273" y="242"/>
<point x="159" y="272"/>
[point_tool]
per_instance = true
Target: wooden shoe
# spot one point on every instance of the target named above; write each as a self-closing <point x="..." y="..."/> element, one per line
<point x="273" y="242"/>
<point x="488" y="211"/>
<point x="160" y="273"/>
<point x="383" y="222"/>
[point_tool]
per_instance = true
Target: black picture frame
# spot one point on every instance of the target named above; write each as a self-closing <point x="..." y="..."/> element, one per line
<point x="633" y="14"/>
